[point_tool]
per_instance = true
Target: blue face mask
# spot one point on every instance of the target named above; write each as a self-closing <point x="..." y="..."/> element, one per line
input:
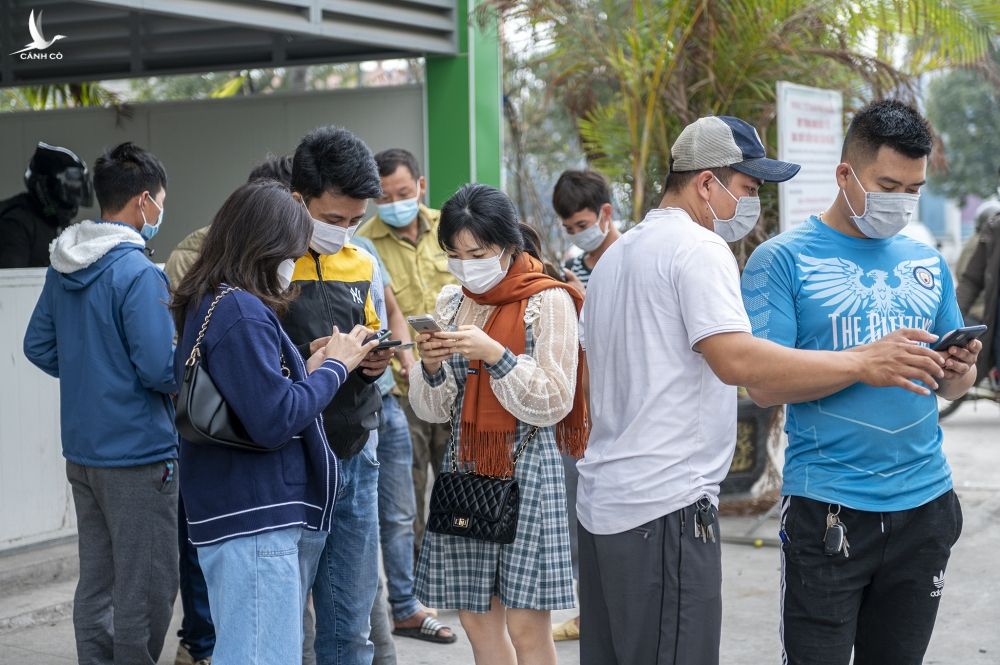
<point x="148" y="231"/>
<point x="399" y="213"/>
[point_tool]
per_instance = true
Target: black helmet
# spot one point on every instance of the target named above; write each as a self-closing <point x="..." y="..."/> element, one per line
<point x="60" y="180"/>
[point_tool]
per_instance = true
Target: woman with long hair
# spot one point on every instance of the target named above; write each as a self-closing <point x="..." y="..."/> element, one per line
<point x="258" y="519"/>
<point x="504" y="374"/>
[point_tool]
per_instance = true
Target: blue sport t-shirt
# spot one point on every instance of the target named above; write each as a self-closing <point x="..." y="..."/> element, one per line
<point x="873" y="449"/>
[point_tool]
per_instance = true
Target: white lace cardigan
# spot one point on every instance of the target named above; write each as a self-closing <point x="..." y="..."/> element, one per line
<point x="539" y="388"/>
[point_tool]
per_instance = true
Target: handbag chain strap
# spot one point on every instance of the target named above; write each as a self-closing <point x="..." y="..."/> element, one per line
<point x="195" y="356"/>
<point x="452" y="448"/>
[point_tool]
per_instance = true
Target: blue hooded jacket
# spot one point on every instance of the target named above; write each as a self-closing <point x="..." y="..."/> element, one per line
<point x="101" y="326"/>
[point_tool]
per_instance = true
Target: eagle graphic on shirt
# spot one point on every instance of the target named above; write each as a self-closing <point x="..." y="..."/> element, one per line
<point x="866" y="305"/>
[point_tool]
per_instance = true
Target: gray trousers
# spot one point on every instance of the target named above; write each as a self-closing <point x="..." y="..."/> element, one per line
<point x="127" y="523"/>
<point x="651" y="595"/>
<point x="572" y="477"/>
<point x="381" y="635"/>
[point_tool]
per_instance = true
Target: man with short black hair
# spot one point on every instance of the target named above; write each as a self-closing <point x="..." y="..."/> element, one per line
<point x="101" y="327"/>
<point x="582" y="199"/>
<point x="334" y="174"/>
<point x="868" y="514"/>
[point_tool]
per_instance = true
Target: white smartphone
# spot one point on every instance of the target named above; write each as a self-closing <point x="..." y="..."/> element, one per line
<point x="424" y="323"/>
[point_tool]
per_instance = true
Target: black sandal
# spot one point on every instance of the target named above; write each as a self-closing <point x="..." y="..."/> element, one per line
<point x="428" y="631"/>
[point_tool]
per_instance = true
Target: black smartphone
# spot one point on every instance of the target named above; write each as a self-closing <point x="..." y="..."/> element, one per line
<point x="387" y="344"/>
<point x="379" y="336"/>
<point x="960" y="337"/>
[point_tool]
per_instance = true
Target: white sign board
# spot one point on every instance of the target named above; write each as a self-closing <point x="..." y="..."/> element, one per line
<point x="810" y="133"/>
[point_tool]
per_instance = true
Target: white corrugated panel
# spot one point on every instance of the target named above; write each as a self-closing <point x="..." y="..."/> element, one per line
<point x="35" y="500"/>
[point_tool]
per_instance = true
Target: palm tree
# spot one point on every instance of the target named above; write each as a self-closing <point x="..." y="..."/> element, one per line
<point x="634" y="72"/>
<point x="66" y="95"/>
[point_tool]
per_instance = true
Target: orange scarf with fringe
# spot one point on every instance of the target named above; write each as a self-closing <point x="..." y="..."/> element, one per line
<point x="487" y="429"/>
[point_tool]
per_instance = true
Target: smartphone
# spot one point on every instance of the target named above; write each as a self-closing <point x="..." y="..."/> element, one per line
<point x="424" y="323"/>
<point x="387" y="344"/>
<point x="960" y="337"/>
<point x="379" y="336"/>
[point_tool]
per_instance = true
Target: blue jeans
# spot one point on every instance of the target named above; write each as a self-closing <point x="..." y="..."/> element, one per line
<point x="257" y="587"/>
<point x="397" y="507"/>
<point x="344" y="591"/>
<point x="197" y="632"/>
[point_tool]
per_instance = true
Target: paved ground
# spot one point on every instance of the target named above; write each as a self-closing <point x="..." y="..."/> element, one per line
<point x="967" y="630"/>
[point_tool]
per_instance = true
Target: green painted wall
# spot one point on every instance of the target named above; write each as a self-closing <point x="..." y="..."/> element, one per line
<point x="464" y="131"/>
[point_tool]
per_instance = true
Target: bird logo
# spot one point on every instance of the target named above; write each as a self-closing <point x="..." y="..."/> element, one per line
<point x="38" y="41"/>
<point x="847" y="289"/>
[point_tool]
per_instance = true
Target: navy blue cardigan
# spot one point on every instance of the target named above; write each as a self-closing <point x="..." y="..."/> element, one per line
<point x="230" y="493"/>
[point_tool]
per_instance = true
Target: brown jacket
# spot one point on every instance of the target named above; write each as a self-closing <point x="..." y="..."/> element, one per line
<point x="184" y="256"/>
<point x="981" y="276"/>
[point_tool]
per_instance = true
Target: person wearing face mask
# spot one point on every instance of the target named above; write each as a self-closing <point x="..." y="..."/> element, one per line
<point x="101" y="327"/>
<point x="259" y="519"/>
<point x="197" y="632"/>
<point x="582" y="200"/>
<point x="334" y="175"/>
<point x="404" y="233"/>
<point x="864" y="458"/>
<point x="505" y="378"/>
<point x="664" y="309"/>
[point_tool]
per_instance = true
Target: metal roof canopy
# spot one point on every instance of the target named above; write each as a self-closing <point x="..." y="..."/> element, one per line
<point x="108" y="39"/>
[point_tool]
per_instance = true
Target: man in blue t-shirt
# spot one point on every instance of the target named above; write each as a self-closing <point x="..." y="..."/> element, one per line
<point x="868" y="512"/>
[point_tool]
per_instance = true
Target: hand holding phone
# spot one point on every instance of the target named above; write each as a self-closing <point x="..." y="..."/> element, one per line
<point x="424" y="324"/>
<point x="960" y="337"/>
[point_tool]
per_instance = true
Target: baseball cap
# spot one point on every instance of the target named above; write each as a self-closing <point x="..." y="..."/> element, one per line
<point x="721" y="140"/>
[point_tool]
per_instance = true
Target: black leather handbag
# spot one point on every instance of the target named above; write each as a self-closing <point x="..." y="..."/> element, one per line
<point x="476" y="506"/>
<point x="203" y="417"/>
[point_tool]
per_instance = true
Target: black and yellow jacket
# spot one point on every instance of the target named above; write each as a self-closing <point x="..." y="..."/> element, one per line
<point x="335" y="290"/>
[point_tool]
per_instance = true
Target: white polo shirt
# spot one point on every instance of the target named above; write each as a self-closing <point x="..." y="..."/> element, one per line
<point x="664" y="426"/>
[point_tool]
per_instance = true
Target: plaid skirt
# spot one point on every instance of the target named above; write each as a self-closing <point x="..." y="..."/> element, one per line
<point x="535" y="571"/>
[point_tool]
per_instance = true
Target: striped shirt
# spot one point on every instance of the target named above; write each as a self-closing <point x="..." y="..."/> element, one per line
<point x="577" y="266"/>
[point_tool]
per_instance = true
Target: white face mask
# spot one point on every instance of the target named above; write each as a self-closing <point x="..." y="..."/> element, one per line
<point x="885" y="214"/>
<point x="329" y="238"/>
<point x="743" y="220"/>
<point x="478" y="275"/>
<point x="285" y="271"/>
<point x="591" y="237"/>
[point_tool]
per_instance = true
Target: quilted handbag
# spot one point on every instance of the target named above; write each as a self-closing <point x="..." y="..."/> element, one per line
<point x="203" y="417"/>
<point x="476" y="506"/>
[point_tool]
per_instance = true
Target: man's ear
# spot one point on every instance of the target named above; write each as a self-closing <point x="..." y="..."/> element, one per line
<point x="421" y="187"/>
<point x="606" y="213"/>
<point x="702" y="181"/>
<point x="843" y="174"/>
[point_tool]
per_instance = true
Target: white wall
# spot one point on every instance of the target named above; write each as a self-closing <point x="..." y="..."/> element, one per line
<point x="208" y="148"/>
<point x="35" y="500"/>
